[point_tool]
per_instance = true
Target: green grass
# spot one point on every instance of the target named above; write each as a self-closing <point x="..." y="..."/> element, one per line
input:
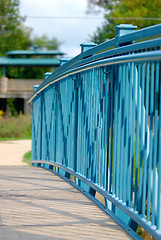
<point x="13" y="138"/>
<point x="27" y="158"/>
<point x="14" y="128"/>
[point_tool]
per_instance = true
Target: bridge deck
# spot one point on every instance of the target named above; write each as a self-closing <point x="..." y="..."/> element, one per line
<point x="36" y="204"/>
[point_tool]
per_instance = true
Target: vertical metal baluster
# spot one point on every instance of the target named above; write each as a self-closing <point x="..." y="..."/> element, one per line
<point x="130" y="135"/>
<point x="159" y="162"/>
<point x="146" y="151"/>
<point x="97" y="128"/>
<point x="120" y="163"/>
<point x="108" y="126"/>
<point x="155" y="174"/>
<point x="127" y="156"/>
<point x="118" y="133"/>
<point x="90" y="122"/>
<point x="137" y="136"/>
<point x="111" y="120"/>
<point x="106" y="132"/>
<point x="86" y="123"/>
<point x="79" y="128"/>
<point x="122" y="102"/>
<point x="133" y="79"/>
<point x="91" y="125"/>
<point x="94" y="127"/>
<point x="124" y="179"/>
<point x="142" y="130"/>
<point x="115" y="132"/>
<point x="102" y="128"/>
<point x="151" y="142"/>
<point x="82" y="127"/>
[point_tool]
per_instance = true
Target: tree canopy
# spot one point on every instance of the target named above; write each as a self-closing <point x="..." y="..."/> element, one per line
<point x="142" y="13"/>
<point x="45" y="42"/>
<point x="14" y="35"/>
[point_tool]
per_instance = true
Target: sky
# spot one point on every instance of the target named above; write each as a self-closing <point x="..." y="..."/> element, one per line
<point x="71" y="32"/>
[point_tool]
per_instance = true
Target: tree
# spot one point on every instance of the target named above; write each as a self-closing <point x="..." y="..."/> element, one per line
<point x="100" y="3"/>
<point x="13" y="34"/>
<point x="142" y="13"/>
<point x="45" y="42"/>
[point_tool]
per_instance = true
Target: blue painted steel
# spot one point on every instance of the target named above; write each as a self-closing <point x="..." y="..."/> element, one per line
<point x="4" y="71"/>
<point x="98" y="118"/>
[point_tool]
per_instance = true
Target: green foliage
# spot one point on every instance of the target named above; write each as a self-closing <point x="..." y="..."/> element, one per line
<point x="27" y="158"/>
<point x="99" y="3"/>
<point x="123" y="11"/>
<point x="27" y="72"/>
<point x="45" y="42"/>
<point x="13" y="35"/>
<point x="16" y="127"/>
<point x="11" y="106"/>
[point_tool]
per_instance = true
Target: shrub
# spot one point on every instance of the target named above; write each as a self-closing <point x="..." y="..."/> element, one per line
<point x="16" y="127"/>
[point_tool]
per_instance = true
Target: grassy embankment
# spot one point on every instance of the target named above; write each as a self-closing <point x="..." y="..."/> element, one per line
<point x="27" y="158"/>
<point x="16" y="127"/>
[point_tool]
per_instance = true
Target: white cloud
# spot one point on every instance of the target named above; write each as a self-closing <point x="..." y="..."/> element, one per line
<point x="71" y="32"/>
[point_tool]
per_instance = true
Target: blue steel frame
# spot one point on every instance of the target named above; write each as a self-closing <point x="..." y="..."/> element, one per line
<point x="97" y="118"/>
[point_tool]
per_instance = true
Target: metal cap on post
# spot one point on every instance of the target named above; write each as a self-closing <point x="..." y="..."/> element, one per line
<point x="35" y="87"/>
<point x="123" y="29"/>
<point x="47" y="74"/>
<point x="63" y="60"/>
<point x="86" y="46"/>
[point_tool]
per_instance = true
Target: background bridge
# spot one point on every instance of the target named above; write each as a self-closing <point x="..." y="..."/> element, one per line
<point x="97" y="119"/>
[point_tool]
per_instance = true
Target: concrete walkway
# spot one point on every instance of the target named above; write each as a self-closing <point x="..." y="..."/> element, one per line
<point x="35" y="204"/>
<point x="12" y="152"/>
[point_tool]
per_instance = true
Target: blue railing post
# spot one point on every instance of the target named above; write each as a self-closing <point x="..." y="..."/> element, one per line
<point x="34" y="141"/>
<point x="4" y="71"/>
<point x="47" y="74"/>
<point x="121" y="30"/>
<point x="63" y="61"/>
<point x="86" y="46"/>
<point x="35" y="87"/>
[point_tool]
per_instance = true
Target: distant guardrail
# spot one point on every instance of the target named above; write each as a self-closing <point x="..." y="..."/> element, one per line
<point x="97" y="118"/>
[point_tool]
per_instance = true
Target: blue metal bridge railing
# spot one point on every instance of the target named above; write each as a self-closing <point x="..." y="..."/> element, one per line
<point x="97" y="118"/>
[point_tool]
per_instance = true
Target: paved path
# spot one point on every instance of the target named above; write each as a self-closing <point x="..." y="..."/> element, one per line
<point x="12" y="152"/>
<point x="37" y="204"/>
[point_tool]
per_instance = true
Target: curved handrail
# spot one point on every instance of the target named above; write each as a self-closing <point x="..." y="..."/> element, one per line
<point x="146" y="56"/>
<point x="98" y="118"/>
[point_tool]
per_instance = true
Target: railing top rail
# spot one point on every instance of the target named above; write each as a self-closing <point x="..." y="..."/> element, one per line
<point x="146" y="56"/>
<point x="100" y="51"/>
<point x="148" y="32"/>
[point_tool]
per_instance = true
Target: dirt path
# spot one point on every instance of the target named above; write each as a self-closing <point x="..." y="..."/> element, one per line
<point x="12" y="152"/>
